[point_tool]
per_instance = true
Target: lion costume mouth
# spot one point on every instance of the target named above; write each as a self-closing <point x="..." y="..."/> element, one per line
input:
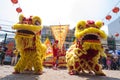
<point x="21" y="32"/>
<point x="91" y="38"/>
<point x="91" y="41"/>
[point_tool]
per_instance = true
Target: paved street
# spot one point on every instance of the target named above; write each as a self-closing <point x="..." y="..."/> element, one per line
<point x="50" y="74"/>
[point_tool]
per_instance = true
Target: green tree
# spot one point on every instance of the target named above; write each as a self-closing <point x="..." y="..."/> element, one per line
<point x="111" y="43"/>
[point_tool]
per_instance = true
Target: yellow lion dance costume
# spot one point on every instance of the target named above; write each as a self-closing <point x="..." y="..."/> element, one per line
<point x="27" y="38"/>
<point x="84" y="55"/>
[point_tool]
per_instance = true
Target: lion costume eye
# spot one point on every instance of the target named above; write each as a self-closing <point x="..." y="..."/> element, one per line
<point x="21" y="17"/>
<point x="37" y="23"/>
<point x="36" y="20"/>
<point x="99" y="24"/>
<point x="81" y="25"/>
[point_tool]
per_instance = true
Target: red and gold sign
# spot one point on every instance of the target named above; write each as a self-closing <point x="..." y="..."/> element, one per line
<point x="49" y="53"/>
<point x="60" y="32"/>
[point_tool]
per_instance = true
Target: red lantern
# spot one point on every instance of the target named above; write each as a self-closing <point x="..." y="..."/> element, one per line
<point x="19" y="10"/>
<point x="108" y="17"/>
<point x="116" y="9"/>
<point x="14" y="1"/>
<point x="116" y="34"/>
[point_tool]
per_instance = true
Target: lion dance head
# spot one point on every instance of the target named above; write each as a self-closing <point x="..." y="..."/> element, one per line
<point x="89" y="34"/>
<point x="28" y="29"/>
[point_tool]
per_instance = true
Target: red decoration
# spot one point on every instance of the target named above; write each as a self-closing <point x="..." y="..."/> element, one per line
<point x="14" y="1"/>
<point x="90" y="22"/>
<point x="19" y="10"/>
<point x="108" y="17"/>
<point x="116" y="9"/>
<point x="116" y="34"/>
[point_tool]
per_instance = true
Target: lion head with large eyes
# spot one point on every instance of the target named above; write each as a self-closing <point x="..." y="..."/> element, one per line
<point x="88" y="32"/>
<point x="31" y="25"/>
<point x="27" y="31"/>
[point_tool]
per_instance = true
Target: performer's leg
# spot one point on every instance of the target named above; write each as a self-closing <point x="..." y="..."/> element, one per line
<point x="20" y="65"/>
<point x="55" y="63"/>
<point x="38" y="66"/>
<point x="98" y="70"/>
<point x="12" y="61"/>
<point x="15" y="59"/>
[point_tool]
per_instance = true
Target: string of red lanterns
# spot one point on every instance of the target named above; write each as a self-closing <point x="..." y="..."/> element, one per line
<point x="18" y="9"/>
<point x="114" y="10"/>
<point x="108" y="17"/>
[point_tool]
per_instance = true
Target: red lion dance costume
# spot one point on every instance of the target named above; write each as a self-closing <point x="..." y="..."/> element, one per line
<point x="27" y="38"/>
<point x="84" y="55"/>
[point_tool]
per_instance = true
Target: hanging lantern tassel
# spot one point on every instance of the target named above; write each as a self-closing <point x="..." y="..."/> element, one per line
<point x="108" y="17"/>
<point x="116" y="9"/>
<point x="19" y="10"/>
<point x="14" y="1"/>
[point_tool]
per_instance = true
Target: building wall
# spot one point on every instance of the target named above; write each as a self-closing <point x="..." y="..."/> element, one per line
<point x="114" y="27"/>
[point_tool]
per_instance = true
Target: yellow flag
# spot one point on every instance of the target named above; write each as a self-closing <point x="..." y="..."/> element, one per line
<point x="60" y="32"/>
<point x="49" y="51"/>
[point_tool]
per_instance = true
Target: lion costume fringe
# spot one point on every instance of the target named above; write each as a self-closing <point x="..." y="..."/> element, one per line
<point x="84" y="55"/>
<point x="27" y="38"/>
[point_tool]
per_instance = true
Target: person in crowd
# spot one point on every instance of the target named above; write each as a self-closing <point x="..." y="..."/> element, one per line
<point x="55" y="54"/>
<point x="103" y="59"/>
<point x="14" y="56"/>
<point x="4" y="48"/>
<point x="114" y="63"/>
<point x="103" y="62"/>
<point x="108" y="62"/>
<point x="63" y="50"/>
<point x="119" y="62"/>
<point x="2" y="56"/>
<point x="8" y="56"/>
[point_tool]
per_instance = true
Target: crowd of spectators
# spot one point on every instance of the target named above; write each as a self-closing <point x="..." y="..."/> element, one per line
<point x="111" y="61"/>
<point x="8" y="56"/>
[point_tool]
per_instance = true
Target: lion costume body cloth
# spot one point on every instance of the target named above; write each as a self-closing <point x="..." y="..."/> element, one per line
<point x="27" y="38"/>
<point x="84" y="55"/>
